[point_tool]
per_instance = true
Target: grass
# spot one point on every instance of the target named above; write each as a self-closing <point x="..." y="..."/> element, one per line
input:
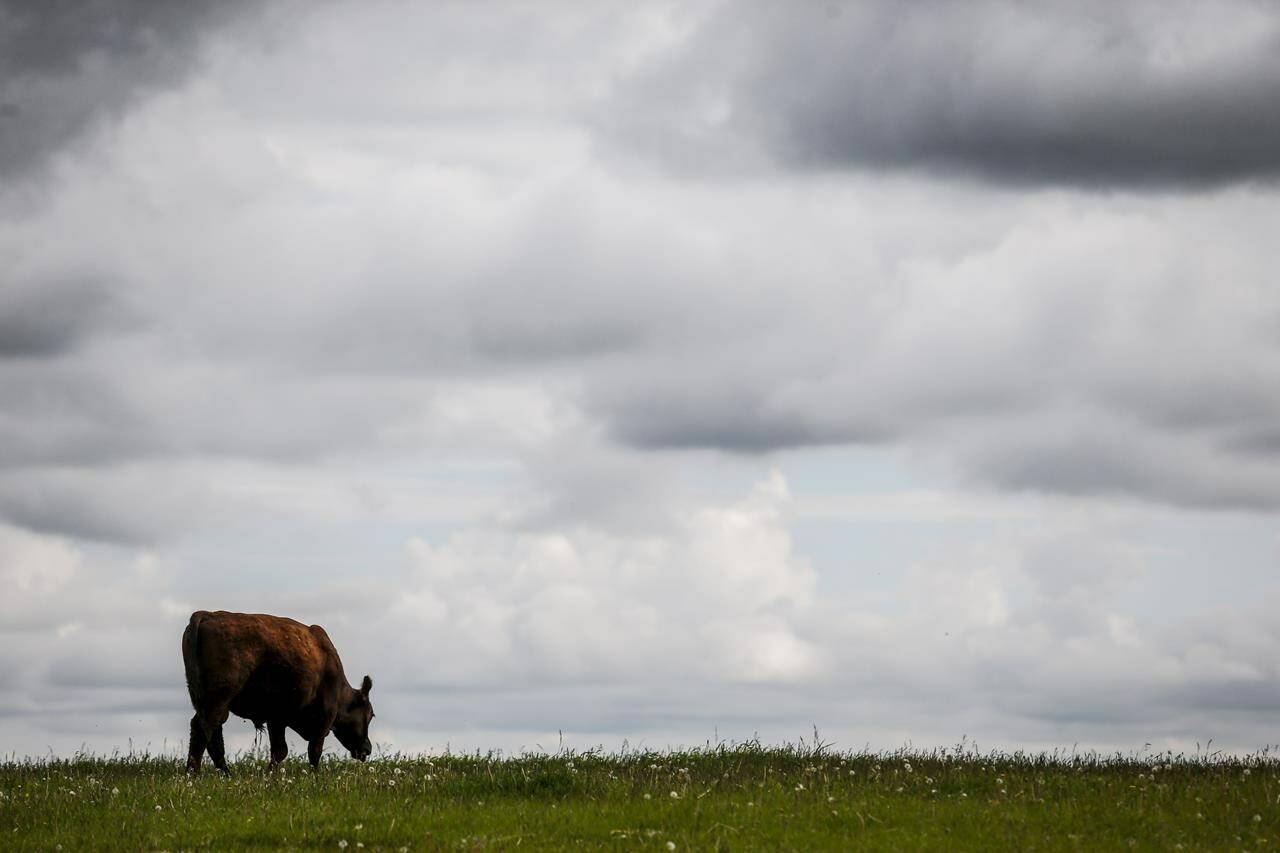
<point x="744" y="797"/>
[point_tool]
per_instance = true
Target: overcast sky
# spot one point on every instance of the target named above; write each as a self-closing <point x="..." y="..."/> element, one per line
<point x="648" y="371"/>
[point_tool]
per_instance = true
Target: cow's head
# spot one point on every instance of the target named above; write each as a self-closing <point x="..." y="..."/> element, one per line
<point x="351" y="726"/>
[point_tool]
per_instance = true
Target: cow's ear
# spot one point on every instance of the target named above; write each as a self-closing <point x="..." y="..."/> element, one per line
<point x="366" y="685"/>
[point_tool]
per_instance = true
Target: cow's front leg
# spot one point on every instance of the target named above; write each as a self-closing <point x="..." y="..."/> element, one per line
<point x="279" y="749"/>
<point x="315" y="749"/>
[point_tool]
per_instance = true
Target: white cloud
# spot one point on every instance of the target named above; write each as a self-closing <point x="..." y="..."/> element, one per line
<point x="718" y="598"/>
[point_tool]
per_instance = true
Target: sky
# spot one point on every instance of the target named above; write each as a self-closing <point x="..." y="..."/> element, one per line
<point x="648" y="373"/>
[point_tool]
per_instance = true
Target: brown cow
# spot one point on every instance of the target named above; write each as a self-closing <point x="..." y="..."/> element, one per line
<point x="270" y="670"/>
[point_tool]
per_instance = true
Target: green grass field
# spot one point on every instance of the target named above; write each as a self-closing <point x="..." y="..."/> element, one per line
<point x="739" y="798"/>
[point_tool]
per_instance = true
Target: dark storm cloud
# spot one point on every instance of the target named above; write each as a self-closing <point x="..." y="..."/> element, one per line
<point x="84" y="509"/>
<point x="49" y="318"/>
<point x="1261" y="695"/>
<point x="60" y="413"/>
<point x="1099" y="461"/>
<point x="1091" y="94"/>
<point x="64" y="64"/>
<point x="741" y="423"/>
<point x="1261" y="442"/>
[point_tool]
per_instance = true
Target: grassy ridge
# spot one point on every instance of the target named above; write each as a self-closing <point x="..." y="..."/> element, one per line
<point x="739" y="798"/>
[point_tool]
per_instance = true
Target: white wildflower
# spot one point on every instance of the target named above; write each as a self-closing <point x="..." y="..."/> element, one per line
<point x="674" y="795"/>
<point x="342" y="845"/>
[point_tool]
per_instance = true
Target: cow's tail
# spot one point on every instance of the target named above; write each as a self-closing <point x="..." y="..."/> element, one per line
<point x="191" y="658"/>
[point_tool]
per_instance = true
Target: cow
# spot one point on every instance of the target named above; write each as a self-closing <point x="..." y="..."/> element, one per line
<point x="273" y="671"/>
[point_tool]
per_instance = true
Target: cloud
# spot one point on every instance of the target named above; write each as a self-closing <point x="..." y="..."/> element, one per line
<point x="718" y="597"/>
<point x="51" y="317"/>
<point x="493" y="635"/>
<point x="1034" y="359"/>
<point x="1088" y="94"/>
<point x="64" y="66"/>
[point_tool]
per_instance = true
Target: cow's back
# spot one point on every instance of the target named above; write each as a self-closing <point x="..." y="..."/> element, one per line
<point x="261" y="666"/>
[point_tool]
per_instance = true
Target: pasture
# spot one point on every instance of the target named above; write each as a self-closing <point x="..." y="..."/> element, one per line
<point x="722" y="798"/>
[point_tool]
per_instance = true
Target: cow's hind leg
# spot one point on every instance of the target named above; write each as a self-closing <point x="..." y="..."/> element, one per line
<point x="213" y="731"/>
<point x="218" y="751"/>
<point x="315" y="749"/>
<point x="279" y="749"/>
<point x="198" y="744"/>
